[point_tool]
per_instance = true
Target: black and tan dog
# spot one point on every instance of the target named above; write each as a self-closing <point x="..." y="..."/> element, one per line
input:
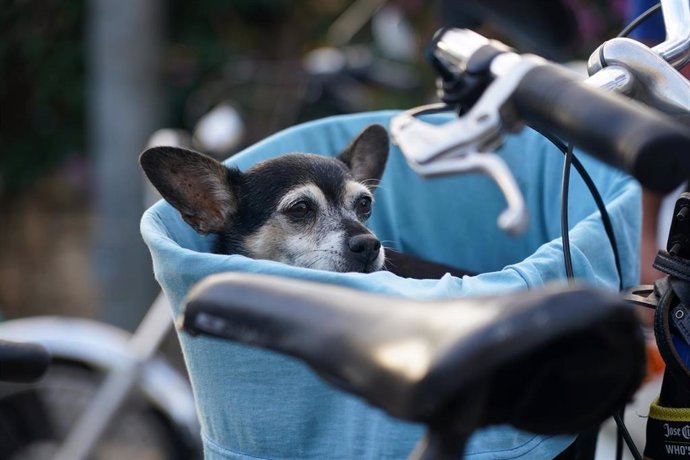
<point x="300" y="209"/>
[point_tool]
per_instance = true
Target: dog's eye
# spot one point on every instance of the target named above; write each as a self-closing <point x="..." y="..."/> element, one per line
<point x="363" y="207"/>
<point x="299" y="210"/>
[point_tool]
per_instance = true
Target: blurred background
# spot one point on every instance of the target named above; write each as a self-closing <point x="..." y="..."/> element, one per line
<point x="83" y="84"/>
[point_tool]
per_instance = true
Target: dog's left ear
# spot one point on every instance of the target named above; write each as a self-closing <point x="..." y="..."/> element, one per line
<point x="366" y="156"/>
<point x="198" y="186"/>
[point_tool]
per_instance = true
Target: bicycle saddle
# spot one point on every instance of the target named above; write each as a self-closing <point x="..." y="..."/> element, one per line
<point x="558" y="360"/>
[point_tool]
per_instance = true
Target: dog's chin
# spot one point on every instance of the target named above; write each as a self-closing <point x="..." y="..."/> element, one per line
<point x="376" y="265"/>
<point x="365" y="268"/>
<point x="355" y="267"/>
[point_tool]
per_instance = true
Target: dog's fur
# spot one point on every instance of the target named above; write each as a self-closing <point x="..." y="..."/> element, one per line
<point x="301" y="209"/>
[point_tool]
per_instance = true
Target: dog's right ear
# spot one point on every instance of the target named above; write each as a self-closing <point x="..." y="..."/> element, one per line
<point x="366" y="156"/>
<point x="196" y="185"/>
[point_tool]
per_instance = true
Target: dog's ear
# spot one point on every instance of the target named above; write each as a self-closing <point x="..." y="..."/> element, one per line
<point x="196" y="185"/>
<point x="366" y="156"/>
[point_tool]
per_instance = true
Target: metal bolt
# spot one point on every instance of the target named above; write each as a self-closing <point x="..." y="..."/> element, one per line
<point x="679" y="314"/>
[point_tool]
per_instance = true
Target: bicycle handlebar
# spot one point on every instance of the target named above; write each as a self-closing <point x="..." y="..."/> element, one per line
<point x="619" y="131"/>
<point x="523" y="89"/>
<point x="22" y="362"/>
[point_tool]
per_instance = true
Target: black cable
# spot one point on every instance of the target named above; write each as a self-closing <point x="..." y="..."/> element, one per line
<point x="624" y="433"/>
<point x="605" y="218"/>
<point x="621" y="430"/>
<point x="639" y="20"/>
<point x="601" y="206"/>
<point x="565" y="230"/>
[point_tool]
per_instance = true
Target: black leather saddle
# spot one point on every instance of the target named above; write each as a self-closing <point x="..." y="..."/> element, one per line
<point x="557" y="360"/>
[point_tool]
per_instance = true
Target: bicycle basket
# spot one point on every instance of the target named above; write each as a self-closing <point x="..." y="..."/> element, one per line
<point x="256" y="404"/>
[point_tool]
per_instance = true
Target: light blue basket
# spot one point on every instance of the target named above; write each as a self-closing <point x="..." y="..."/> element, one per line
<point x="257" y="404"/>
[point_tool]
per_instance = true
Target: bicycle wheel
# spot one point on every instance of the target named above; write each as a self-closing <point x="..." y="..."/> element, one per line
<point x="35" y="419"/>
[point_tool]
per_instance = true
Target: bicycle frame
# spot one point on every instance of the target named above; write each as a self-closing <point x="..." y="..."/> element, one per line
<point x="120" y="382"/>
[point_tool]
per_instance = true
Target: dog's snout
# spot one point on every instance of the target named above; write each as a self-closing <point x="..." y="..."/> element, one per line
<point x="365" y="246"/>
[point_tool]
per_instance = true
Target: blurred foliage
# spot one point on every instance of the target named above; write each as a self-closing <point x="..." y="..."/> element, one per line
<point x="41" y="87"/>
<point x="248" y="51"/>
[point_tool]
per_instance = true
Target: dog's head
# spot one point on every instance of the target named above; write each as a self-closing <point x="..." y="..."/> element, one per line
<point x="301" y="209"/>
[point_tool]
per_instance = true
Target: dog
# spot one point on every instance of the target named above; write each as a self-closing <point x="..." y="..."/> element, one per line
<point x="300" y="209"/>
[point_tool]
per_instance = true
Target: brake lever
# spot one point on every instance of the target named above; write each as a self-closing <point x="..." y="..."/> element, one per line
<point x="464" y="144"/>
<point x="514" y="218"/>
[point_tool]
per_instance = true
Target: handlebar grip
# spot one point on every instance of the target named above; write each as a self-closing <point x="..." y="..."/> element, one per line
<point x="621" y="132"/>
<point x="22" y="362"/>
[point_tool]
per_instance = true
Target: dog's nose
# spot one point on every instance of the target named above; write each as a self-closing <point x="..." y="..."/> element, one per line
<point x="366" y="247"/>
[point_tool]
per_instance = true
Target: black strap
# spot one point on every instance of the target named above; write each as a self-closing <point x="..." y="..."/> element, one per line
<point x="674" y="266"/>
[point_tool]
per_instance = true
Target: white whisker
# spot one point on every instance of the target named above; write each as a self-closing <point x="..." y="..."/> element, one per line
<point x="372" y="184"/>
